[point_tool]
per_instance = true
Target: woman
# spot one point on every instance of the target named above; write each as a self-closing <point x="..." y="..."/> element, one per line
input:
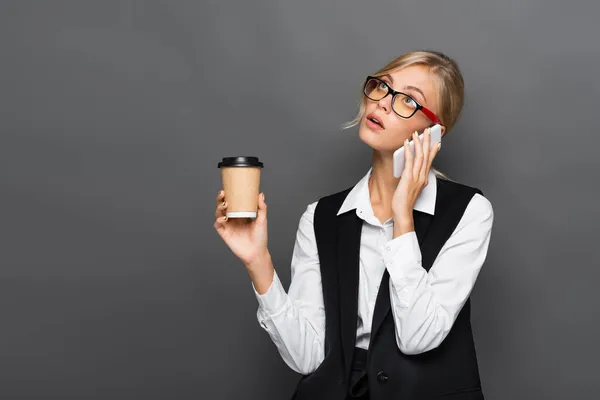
<point x="378" y="306"/>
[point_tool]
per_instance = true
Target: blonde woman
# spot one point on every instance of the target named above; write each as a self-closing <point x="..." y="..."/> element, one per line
<point x="379" y="302"/>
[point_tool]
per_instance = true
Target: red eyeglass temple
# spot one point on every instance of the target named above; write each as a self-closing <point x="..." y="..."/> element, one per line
<point x="431" y="115"/>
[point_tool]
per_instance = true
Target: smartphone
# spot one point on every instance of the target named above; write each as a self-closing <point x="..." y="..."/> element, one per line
<point x="436" y="137"/>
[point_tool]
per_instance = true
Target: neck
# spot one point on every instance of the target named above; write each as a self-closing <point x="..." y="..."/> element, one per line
<point x="382" y="183"/>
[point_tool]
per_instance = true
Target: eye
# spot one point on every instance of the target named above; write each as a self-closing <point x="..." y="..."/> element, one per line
<point x="382" y="86"/>
<point x="409" y="102"/>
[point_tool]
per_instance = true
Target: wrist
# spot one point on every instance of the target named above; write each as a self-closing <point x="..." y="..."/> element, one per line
<point x="403" y="224"/>
<point x="403" y="217"/>
<point x="261" y="272"/>
<point x="260" y="262"/>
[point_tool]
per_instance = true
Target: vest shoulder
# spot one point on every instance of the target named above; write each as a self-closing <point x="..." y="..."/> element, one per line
<point x="332" y="201"/>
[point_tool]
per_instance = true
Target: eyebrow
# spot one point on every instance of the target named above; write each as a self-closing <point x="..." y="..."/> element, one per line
<point x="416" y="89"/>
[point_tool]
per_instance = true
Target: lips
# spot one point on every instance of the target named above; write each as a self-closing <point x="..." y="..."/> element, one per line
<point x="375" y="120"/>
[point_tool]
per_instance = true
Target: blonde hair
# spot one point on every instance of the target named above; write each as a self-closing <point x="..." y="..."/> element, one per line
<point x="449" y="82"/>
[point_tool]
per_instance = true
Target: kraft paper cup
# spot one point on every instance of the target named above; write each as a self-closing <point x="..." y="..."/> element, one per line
<point x="241" y="183"/>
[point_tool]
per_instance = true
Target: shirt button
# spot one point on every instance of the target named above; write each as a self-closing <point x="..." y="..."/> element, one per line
<point x="387" y="248"/>
<point x="382" y="377"/>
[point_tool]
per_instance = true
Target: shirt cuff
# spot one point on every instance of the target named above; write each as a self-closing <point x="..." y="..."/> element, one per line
<point x="402" y="258"/>
<point x="273" y="300"/>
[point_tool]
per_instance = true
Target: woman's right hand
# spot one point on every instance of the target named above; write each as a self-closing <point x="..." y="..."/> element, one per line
<point x="247" y="238"/>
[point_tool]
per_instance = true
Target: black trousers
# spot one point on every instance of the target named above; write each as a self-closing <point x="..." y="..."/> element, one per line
<point x="359" y="385"/>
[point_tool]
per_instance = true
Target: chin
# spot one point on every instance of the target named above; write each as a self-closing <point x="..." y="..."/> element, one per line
<point x="371" y="138"/>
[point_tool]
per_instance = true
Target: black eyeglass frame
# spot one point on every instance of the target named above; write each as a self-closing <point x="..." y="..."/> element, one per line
<point x="428" y="113"/>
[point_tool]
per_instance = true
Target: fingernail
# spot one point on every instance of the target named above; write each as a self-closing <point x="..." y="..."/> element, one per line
<point x="224" y="203"/>
<point x="263" y="197"/>
<point x="440" y="145"/>
<point x="225" y="218"/>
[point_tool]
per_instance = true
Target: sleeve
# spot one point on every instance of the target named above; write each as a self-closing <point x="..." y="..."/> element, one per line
<point x="425" y="305"/>
<point x="295" y="321"/>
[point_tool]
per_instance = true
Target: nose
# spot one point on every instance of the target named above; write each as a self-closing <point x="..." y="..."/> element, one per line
<point x="385" y="103"/>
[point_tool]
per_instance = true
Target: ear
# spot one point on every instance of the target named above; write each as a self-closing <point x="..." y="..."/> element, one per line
<point x="443" y="129"/>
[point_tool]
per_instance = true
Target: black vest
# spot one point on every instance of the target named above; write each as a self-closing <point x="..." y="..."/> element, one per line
<point x="448" y="371"/>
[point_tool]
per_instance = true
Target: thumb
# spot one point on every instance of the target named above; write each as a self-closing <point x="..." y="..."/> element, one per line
<point x="262" y="208"/>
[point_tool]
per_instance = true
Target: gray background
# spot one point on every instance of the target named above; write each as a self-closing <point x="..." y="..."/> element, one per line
<point x="114" y="114"/>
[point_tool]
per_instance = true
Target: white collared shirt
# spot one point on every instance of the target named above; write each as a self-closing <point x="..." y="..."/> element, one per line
<point x="424" y="304"/>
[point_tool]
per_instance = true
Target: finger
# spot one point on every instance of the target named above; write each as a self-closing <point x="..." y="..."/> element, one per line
<point x="408" y="159"/>
<point x="221" y="209"/>
<point x="426" y="151"/>
<point x="434" y="151"/>
<point x="220" y="196"/>
<point x="418" y="161"/>
<point x="220" y="223"/>
<point x="262" y="208"/>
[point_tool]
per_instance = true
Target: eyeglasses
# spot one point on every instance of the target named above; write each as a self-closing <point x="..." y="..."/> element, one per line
<point x="403" y="104"/>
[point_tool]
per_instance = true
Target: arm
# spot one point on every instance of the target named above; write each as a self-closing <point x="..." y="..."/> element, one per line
<point x="295" y="321"/>
<point x="425" y="305"/>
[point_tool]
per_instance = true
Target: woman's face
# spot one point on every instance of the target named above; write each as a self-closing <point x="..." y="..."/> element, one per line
<point x="415" y="81"/>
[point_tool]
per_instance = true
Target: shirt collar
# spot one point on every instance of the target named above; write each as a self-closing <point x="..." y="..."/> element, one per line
<point x="358" y="198"/>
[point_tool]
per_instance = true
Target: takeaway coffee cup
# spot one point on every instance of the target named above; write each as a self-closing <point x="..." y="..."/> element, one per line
<point x="241" y="182"/>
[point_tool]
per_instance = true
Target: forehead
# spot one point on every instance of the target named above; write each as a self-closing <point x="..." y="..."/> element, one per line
<point x="418" y="76"/>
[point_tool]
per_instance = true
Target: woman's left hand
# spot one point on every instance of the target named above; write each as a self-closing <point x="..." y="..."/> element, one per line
<point x="414" y="176"/>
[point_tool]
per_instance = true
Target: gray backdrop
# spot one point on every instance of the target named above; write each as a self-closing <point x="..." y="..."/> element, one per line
<point x="114" y="114"/>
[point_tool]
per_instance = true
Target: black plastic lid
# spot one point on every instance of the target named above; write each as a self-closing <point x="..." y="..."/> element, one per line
<point x="240" y="162"/>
